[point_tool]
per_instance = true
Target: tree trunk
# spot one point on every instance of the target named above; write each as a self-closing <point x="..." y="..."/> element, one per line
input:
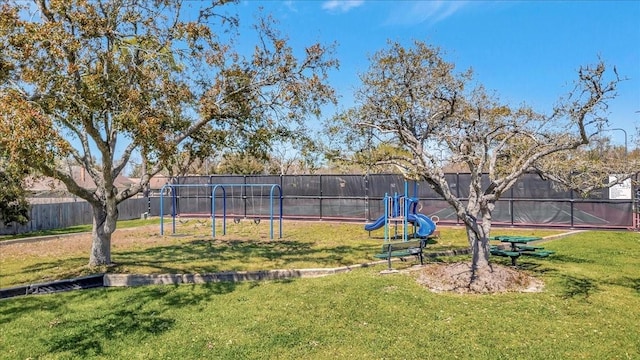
<point x="479" y="248"/>
<point x="104" y="224"/>
<point x="478" y="236"/>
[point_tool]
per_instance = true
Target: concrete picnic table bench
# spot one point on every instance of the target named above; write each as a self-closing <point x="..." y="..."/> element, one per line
<point x="518" y="246"/>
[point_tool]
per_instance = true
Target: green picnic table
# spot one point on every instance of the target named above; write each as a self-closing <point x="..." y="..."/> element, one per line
<point x="518" y="246"/>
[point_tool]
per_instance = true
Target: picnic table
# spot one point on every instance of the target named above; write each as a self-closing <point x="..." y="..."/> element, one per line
<point x="519" y="245"/>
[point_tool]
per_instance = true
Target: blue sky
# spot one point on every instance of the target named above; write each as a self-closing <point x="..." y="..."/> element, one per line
<point x="525" y="51"/>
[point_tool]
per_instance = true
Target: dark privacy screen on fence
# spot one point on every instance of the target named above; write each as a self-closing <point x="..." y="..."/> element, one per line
<point x="531" y="201"/>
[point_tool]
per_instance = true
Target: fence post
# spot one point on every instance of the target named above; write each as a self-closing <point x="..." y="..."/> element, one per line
<point x="571" y="212"/>
<point x="367" y="207"/>
<point x="243" y="194"/>
<point x="320" y="197"/>
<point x="571" y="206"/>
<point x="511" y="208"/>
<point x="457" y="193"/>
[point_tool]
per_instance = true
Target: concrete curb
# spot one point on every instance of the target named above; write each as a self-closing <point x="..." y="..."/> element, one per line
<point x="124" y="280"/>
<point x="120" y="280"/>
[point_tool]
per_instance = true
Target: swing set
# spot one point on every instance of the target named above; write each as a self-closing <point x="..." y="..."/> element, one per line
<point x="223" y="188"/>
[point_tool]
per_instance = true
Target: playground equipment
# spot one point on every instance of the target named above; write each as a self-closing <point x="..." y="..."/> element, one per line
<point x="402" y="209"/>
<point x="212" y="196"/>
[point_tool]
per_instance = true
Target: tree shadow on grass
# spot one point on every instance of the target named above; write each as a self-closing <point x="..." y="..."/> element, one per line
<point x="211" y="256"/>
<point x="50" y="270"/>
<point x="626" y="281"/>
<point x="197" y="293"/>
<point x="49" y="266"/>
<point x="192" y="294"/>
<point x="573" y="287"/>
<point x="543" y="266"/>
<point x="564" y="258"/>
<point x="14" y="308"/>
<point x="208" y="256"/>
<point x="127" y="315"/>
<point x="135" y="316"/>
<point x="83" y="335"/>
<point x="578" y="287"/>
<point x="83" y="338"/>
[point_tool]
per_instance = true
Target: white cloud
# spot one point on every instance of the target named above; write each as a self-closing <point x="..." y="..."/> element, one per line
<point x="341" y="5"/>
<point x="291" y="6"/>
<point x="424" y="11"/>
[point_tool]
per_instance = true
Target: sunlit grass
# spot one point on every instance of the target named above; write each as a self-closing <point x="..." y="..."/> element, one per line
<point x="588" y="309"/>
<point x="246" y="246"/>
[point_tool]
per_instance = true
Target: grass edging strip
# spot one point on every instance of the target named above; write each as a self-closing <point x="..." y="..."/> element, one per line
<point x="85" y="282"/>
<point x="121" y="280"/>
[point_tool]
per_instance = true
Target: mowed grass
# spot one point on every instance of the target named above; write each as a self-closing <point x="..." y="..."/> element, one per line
<point x="588" y="310"/>
<point x="245" y="247"/>
<point x="124" y="224"/>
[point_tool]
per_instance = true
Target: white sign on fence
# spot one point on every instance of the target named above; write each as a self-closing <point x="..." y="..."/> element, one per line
<point x="620" y="191"/>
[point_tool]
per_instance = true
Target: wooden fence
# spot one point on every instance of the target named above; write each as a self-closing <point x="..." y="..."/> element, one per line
<point x="65" y="214"/>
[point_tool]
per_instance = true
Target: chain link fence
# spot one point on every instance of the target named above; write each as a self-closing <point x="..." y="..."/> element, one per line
<point x="532" y="201"/>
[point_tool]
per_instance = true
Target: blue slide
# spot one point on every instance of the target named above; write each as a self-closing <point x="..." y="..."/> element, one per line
<point x="375" y="225"/>
<point x="424" y="224"/>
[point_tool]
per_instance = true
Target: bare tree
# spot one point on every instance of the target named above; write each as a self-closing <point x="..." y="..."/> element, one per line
<point x="414" y="100"/>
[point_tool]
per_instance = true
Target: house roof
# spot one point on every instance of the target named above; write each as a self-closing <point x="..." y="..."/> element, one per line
<point x="156" y="182"/>
<point x="80" y="176"/>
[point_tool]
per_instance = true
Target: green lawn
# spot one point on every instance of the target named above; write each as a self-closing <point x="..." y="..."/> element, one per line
<point x="192" y="250"/>
<point x="588" y="309"/>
